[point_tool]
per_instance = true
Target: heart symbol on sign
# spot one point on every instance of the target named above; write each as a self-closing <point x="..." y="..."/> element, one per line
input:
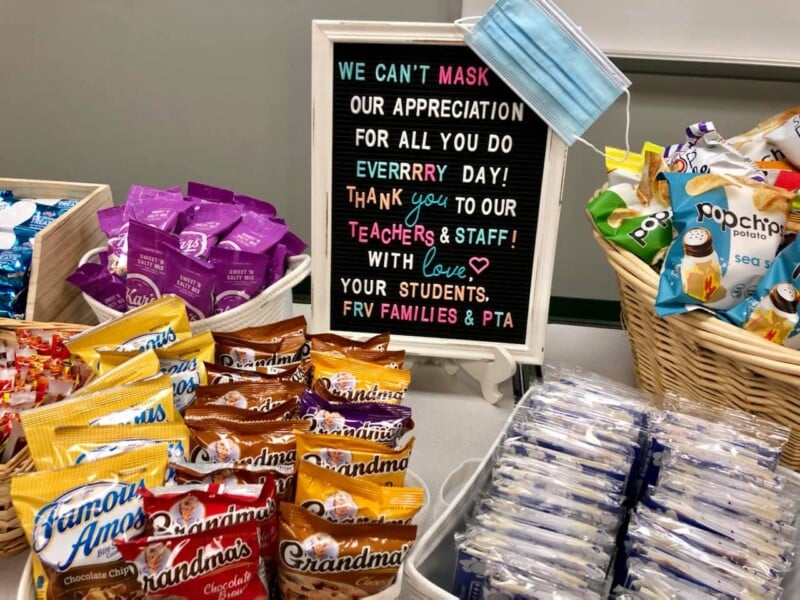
<point x="478" y="264"/>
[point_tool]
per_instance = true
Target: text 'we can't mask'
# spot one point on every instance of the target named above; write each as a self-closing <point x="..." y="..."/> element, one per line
<point x="550" y="63"/>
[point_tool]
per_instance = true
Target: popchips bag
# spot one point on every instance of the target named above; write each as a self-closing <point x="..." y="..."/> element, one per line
<point x="729" y="229"/>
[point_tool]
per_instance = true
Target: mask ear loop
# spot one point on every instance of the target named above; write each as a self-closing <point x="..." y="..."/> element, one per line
<point x="627" y="93"/>
<point x="466" y="24"/>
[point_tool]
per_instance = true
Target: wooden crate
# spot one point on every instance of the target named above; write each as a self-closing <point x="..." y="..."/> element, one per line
<point x="59" y="246"/>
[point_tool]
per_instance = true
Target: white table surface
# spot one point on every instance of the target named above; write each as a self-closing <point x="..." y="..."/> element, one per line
<point x="453" y="422"/>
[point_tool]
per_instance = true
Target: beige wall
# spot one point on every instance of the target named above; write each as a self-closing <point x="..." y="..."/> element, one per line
<point x="158" y="92"/>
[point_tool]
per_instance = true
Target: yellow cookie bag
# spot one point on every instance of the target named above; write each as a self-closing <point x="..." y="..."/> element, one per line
<point x="74" y="445"/>
<point x="342" y="499"/>
<point x="141" y="366"/>
<point x="157" y="324"/>
<point x="70" y="517"/>
<point x="184" y="361"/>
<point x="354" y="380"/>
<point x="355" y="457"/>
<point x="146" y="401"/>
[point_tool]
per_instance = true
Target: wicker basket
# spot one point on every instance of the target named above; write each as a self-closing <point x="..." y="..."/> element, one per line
<point x="12" y="537"/>
<point x="271" y="305"/>
<point x="700" y="356"/>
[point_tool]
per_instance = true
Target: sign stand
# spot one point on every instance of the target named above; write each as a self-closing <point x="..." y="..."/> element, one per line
<point x="435" y="199"/>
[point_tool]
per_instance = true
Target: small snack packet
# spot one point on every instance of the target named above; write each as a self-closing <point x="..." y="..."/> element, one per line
<point x="392" y="359"/>
<point x="254" y="233"/>
<point x="334" y="560"/>
<point x="210" y="220"/>
<point x="358" y="381"/>
<point x="74" y="445"/>
<point x="218" y="374"/>
<point x="780" y="174"/>
<point x="729" y="229"/>
<point x="250" y="355"/>
<point x="192" y="280"/>
<point x="224" y="563"/>
<point x="228" y="416"/>
<point x="15" y="264"/>
<point x="785" y="137"/>
<point x="771" y="312"/>
<point x="114" y="224"/>
<point x="331" y="341"/>
<point x="255" y="205"/>
<point x="371" y="461"/>
<point x="260" y="443"/>
<point x="239" y="276"/>
<point x="257" y="396"/>
<point x="273" y="332"/>
<point x="626" y="167"/>
<point x="143" y="365"/>
<point x="147" y="401"/>
<point x="754" y="143"/>
<point x="204" y="191"/>
<point x="236" y="474"/>
<point x="70" y="517"/>
<point x="95" y="280"/>
<point x="376" y="421"/>
<point x="706" y="151"/>
<point x="155" y="325"/>
<point x="342" y="499"/>
<point x="190" y="509"/>
<point x="147" y="263"/>
<point x="164" y="214"/>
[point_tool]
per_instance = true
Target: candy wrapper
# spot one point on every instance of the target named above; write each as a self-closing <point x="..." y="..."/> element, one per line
<point x="729" y="229"/>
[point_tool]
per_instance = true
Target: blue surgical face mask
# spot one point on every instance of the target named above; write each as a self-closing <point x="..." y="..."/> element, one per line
<point x="548" y="61"/>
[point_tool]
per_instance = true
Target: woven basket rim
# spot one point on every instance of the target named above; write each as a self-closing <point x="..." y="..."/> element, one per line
<point x="713" y="330"/>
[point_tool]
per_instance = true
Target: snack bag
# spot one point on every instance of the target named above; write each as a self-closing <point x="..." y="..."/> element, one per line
<point x="266" y="357"/>
<point x="74" y="445"/>
<point x="210" y="221"/>
<point x="95" y="280"/>
<point x="706" y="151"/>
<point x="330" y="560"/>
<point x="143" y="365"/>
<point x="729" y="229"/>
<point x="273" y="332"/>
<point x="183" y="361"/>
<point x="191" y="509"/>
<point x="238" y="277"/>
<point x="154" y="325"/>
<point x="258" y="396"/>
<point x="70" y="517"/>
<point x="354" y="457"/>
<point x="780" y="174"/>
<point x="638" y="222"/>
<point x="626" y="167"/>
<point x="342" y="499"/>
<point x="190" y="278"/>
<point x="218" y="374"/>
<point x="147" y="401"/>
<point x="358" y="381"/>
<point x="236" y="474"/>
<point x="786" y="137"/>
<point x="771" y="312"/>
<point x="376" y="421"/>
<point x="327" y="341"/>
<point x="147" y="263"/>
<point x="755" y="144"/>
<point x="224" y="563"/>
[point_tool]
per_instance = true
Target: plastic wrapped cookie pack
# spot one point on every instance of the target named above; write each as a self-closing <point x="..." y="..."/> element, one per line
<point x="558" y="493"/>
<point x="714" y="519"/>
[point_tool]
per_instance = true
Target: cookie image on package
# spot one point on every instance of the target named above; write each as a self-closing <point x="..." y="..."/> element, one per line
<point x="305" y="587"/>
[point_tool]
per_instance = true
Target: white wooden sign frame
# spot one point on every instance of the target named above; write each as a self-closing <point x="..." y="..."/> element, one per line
<point x="324" y="35"/>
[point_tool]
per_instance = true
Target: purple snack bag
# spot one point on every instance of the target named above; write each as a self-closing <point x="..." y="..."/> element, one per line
<point x="146" y="263"/>
<point x="239" y="276"/>
<point x="376" y="421"/>
<point x="95" y="280"/>
<point x="255" y="205"/>
<point x="294" y="245"/>
<point x="211" y="219"/>
<point x="254" y="233"/>
<point x="175" y="189"/>
<point x="161" y="213"/>
<point x="139" y="193"/>
<point x="113" y="223"/>
<point x="277" y="264"/>
<point x="192" y="280"/>
<point x="209" y="192"/>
